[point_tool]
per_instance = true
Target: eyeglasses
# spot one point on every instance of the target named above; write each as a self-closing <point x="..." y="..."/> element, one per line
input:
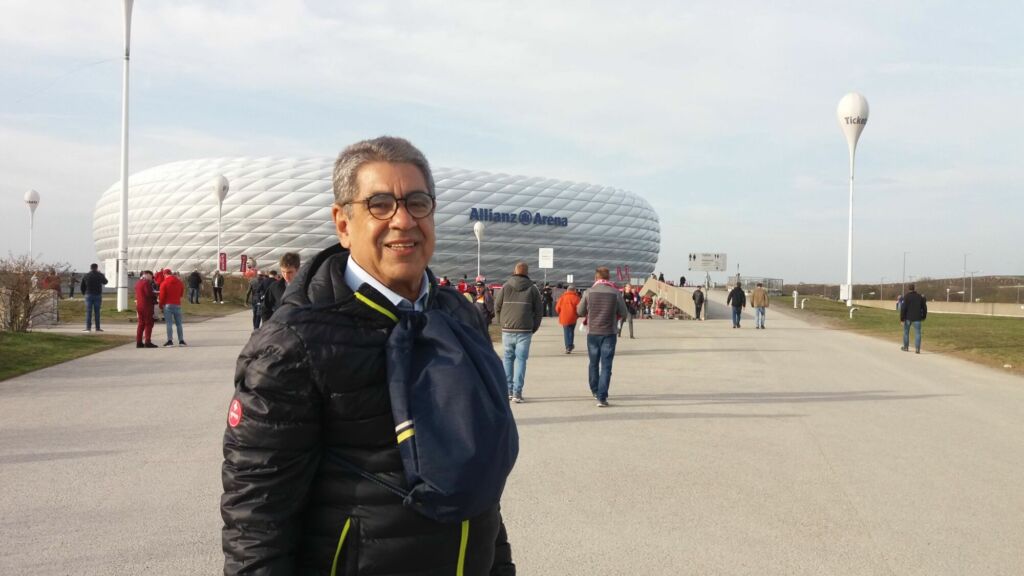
<point x="384" y="206"/>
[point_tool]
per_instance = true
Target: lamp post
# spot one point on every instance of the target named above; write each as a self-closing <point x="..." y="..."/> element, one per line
<point x="220" y="191"/>
<point x="32" y="201"/>
<point x="853" y="116"/>
<point x="973" y="272"/>
<point x="903" y="281"/>
<point x="122" y="237"/>
<point x="965" y="273"/>
<point x="478" y="231"/>
<point x="947" y="294"/>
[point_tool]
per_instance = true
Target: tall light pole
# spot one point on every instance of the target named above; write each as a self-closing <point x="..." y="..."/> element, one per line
<point x="122" y="237"/>
<point x="973" y="272"/>
<point x="220" y="191"/>
<point x="965" y="273"/>
<point x="478" y="231"/>
<point x="853" y="116"/>
<point x="32" y="201"/>
<point x="903" y="281"/>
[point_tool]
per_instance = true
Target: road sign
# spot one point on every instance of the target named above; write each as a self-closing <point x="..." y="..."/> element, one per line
<point x="546" y="257"/>
<point x="707" y="262"/>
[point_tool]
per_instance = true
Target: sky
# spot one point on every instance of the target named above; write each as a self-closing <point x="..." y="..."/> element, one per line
<point x="721" y="115"/>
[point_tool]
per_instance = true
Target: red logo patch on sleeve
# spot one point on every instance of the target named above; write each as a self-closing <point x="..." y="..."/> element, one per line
<point x="234" y="413"/>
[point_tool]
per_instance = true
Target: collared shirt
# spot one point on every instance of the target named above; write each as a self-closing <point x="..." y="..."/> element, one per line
<point x="355" y="277"/>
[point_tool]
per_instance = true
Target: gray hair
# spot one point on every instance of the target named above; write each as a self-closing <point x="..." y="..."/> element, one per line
<point x="381" y="149"/>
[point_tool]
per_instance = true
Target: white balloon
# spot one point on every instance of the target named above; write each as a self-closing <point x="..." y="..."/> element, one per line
<point x="852" y="114"/>
<point x="32" y="199"/>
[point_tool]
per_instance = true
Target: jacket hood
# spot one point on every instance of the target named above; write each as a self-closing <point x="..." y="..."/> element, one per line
<point x="519" y="282"/>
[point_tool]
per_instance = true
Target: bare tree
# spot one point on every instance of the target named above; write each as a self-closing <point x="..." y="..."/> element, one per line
<point x="27" y="292"/>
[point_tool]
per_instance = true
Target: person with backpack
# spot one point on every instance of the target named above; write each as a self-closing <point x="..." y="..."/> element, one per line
<point x="195" y="283"/>
<point x="336" y="460"/>
<point x="738" y="300"/>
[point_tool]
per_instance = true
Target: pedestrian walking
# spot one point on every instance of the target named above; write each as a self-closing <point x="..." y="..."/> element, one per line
<point x="629" y="297"/>
<point x="698" y="302"/>
<point x="738" y="300"/>
<point x="316" y="451"/>
<point x="602" y="306"/>
<point x="759" y="301"/>
<point x="92" y="288"/>
<point x="519" y="310"/>
<point x="254" y="297"/>
<point x="72" y="281"/>
<point x="567" y="317"/>
<point x="144" y="302"/>
<point x="484" y="301"/>
<point x="547" y="300"/>
<point x="218" y="287"/>
<point x="913" y="311"/>
<point x="171" y="291"/>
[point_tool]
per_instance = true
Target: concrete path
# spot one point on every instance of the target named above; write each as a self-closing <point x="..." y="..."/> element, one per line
<point x="792" y="450"/>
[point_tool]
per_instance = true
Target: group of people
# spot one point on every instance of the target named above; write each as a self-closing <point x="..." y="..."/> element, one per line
<point x="266" y="289"/>
<point x="520" y="308"/>
<point x="162" y="291"/>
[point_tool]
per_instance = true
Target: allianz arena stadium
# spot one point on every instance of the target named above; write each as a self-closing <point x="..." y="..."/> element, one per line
<point x="278" y="205"/>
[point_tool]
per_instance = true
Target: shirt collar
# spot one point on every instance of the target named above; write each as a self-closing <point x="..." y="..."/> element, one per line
<point x="355" y="277"/>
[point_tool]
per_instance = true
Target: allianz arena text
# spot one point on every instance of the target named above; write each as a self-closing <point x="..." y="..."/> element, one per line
<point x="278" y="205"/>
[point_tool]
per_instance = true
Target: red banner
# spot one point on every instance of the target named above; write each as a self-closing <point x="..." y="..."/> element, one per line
<point x="222" y="262"/>
<point x="245" y="260"/>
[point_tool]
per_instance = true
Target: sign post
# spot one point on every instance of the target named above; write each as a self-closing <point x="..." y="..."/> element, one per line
<point x="546" y="257"/>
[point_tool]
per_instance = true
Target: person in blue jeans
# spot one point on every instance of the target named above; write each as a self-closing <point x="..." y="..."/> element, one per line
<point x="913" y="311"/>
<point x="738" y="300"/>
<point x="92" y="288"/>
<point x="519" y="309"/>
<point x="602" y="306"/>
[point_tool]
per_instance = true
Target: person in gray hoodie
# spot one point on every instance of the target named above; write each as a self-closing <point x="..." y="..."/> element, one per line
<point x="602" y="306"/>
<point x="519" y="310"/>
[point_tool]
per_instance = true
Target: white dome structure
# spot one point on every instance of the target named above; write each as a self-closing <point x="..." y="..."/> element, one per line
<point x="278" y="205"/>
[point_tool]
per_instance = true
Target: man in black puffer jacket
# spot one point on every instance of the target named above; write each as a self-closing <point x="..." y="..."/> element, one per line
<point x="312" y="382"/>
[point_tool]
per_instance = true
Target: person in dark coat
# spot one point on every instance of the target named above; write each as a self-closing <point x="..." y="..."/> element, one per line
<point x="738" y="300"/>
<point x="92" y="288"/>
<point x="913" y="311"/>
<point x="312" y="383"/>
<point x="195" y="282"/>
<point x="273" y="296"/>
<point x="698" y="302"/>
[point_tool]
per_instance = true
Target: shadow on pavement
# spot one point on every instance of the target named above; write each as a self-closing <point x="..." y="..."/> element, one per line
<point x="614" y="413"/>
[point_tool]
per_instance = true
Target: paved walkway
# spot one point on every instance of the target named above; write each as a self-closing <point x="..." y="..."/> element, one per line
<point x="792" y="450"/>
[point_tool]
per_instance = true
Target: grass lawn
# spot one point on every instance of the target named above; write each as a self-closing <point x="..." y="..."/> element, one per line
<point x="993" y="341"/>
<point x="73" y="311"/>
<point x="27" y="351"/>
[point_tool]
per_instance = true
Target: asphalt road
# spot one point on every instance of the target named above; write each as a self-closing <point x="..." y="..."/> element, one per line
<point x="792" y="450"/>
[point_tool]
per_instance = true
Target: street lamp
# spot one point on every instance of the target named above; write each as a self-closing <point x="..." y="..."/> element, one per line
<point x="478" y="231"/>
<point x="947" y="294"/>
<point x="881" y="289"/>
<point x="972" y="273"/>
<point x="220" y="191"/>
<point x="903" y="282"/>
<point x="32" y="201"/>
<point x="122" y="237"/>
<point x="853" y="116"/>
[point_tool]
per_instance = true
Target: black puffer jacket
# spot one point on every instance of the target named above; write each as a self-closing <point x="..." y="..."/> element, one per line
<point x="313" y="380"/>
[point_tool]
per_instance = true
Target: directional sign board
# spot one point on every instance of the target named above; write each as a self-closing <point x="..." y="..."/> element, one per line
<point x="546" y="257"/>
<point x="707" y="262"/>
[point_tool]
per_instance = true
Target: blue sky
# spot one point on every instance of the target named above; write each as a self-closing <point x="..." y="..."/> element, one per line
<point x="722" y="115"/>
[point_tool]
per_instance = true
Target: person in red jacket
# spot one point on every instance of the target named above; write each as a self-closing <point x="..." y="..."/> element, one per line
<point x="567" y="316"/>
<point x="145" y="299"/>
<point x="171" y="291"/>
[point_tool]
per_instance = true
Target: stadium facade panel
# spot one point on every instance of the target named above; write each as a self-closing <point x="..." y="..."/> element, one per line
<point x="277" y="205"/>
